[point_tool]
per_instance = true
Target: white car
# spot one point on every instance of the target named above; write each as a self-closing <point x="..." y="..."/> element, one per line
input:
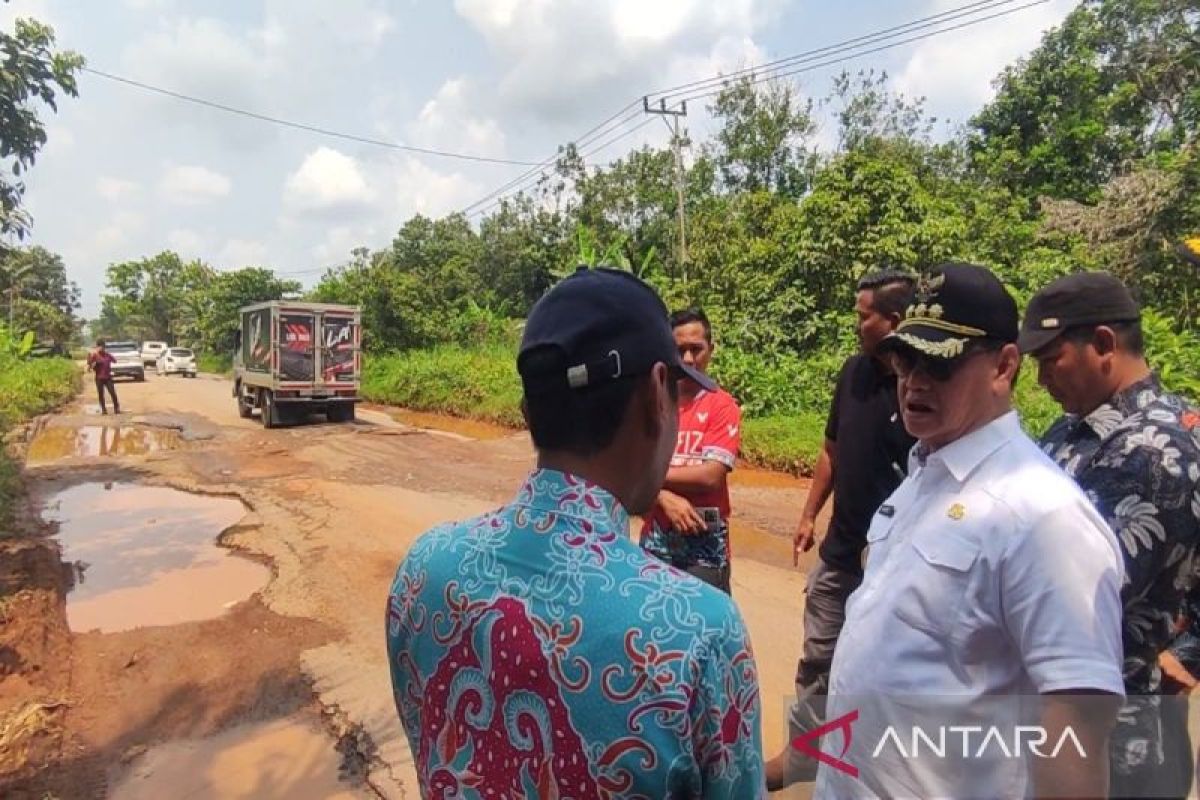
<point x="151" y="351"/>
<point x="177" y="361"/>
<point x="127" y="360"/>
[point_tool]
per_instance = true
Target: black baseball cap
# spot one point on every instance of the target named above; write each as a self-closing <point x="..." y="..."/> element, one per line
<point x="604" y="324"/>
<point x="954" y="305"/>
<point x="1082" y="298"/>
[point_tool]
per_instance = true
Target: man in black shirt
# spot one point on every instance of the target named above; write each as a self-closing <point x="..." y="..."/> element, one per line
<point x="862" y="462"/>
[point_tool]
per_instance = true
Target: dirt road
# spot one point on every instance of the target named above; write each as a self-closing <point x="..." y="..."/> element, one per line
<point x="271" y="684"/>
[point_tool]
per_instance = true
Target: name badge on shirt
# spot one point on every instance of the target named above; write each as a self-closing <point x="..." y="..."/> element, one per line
<point x="886" y="510"/>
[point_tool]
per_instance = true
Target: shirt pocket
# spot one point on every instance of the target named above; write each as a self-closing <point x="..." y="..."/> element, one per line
<point x="934" y="599"/>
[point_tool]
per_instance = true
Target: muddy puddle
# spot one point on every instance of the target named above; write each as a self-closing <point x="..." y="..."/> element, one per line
<point x="287" y="758"/>
<point x="92" y="441"/>
<point x="148" y="556"/>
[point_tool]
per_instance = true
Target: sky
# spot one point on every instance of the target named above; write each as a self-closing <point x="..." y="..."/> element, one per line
<point x="127" y="173"/>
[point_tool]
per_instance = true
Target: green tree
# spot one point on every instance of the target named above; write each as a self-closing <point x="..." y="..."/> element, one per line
<point x="633" y="202"/>
<point x="217" y="319"/>
<point x="1118" y="81"/>
<point x="763" y="142"/>
<point x="32" y="73"/>
<point x="146" y="298"/>
<point x="521" y="246"/>
<point x="867" y="110"/>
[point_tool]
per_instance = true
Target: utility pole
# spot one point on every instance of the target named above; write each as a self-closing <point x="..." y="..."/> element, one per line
<point x="677" y="147"/>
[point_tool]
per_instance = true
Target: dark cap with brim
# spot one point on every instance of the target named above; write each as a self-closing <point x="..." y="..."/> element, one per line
<point x="1083" y="298"/>
<point x="598" y="325"/>
<point x="954" y="305"/>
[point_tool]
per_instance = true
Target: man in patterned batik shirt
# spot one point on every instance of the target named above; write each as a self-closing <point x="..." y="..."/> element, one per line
<point x="1135" y="450"/>
<point x="536" y="651"/>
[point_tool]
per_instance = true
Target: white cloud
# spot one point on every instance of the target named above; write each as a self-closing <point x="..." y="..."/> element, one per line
<point x="338" y="242"/>
<point x="186" y="242"/>
<point x="564" y="58"/>
<point x="115" y="189"/>
<point x="447" y="122"/>
<point x="421" y="189"/>
<point x="108" y="240"/>
<point x="199" y="56"/>
<point x="327" y="181"/>
<point x="35" y="9"/>
<point x="193" y="185"/>
<point x="239" y="253"/>
<point x="956" y="71"/>
<point x="318" y="23"/>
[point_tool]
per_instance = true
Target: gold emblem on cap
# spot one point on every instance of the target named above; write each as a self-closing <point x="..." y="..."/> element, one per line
<point x="1050" y="322"/>
<point x="956" y="512"/>
<point x="927" y="286"/>
<point x="920" y="310"/>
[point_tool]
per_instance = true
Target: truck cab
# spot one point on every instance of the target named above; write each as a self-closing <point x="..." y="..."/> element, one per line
<point x="296" y="358"/>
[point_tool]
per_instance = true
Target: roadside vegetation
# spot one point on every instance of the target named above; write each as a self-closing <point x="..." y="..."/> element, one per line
<point x="1085" y="158"/>
<point x="28" y="387"/>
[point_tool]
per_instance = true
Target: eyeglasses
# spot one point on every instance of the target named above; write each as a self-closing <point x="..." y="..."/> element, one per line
<point x="906" y="361"/>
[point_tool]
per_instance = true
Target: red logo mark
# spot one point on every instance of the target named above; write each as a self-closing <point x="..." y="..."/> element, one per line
<point x="807" y="743"/>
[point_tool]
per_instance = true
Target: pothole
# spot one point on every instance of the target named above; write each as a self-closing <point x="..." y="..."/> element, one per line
<point x="54" y="443"/>
<point x="288" y="758"/>
<point x="143" y="556"/>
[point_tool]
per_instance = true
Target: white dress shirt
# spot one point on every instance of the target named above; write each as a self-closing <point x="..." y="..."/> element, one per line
<point x="988" y="575"/>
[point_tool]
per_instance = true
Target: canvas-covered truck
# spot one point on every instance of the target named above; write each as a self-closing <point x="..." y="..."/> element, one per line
<point x="296" y="358"/>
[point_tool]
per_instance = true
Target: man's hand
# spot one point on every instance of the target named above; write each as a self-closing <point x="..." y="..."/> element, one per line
<point x="805" y="538"/>
<point x="680" y="513"/>
<point x="1175" y="676"/>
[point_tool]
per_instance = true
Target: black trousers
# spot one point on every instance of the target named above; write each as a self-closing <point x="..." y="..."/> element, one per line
<point x="107" y="383"/>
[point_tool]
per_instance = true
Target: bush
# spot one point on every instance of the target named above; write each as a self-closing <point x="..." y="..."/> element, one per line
<point x="216" y="363"/>
<point x="784" y="442"/>
<point x="482" y="383"/>
<point x="28" y="388"/>
<point x="1174" y="354"/>
<point x="479" y="383"/>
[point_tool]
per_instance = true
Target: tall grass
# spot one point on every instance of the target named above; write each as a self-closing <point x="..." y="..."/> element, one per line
<point x="477" y="383"/>
<point x="28" y="388"/>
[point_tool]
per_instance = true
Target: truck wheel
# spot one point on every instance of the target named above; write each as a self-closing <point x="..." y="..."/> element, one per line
<point x="270" y="412"/>
<point x="140" y="377"/>
<point x="245" y="408"/>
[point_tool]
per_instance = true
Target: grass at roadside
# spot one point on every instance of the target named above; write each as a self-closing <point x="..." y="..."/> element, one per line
<point x="786" y="442"/>
<point x="472" y="383"/>
<point x="217" y="364"/>
<point x="28" y="388"/>
<point x="483" y="384"/>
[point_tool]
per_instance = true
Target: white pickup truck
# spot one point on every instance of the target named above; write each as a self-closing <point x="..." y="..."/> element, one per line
<point x="151" y="351"/>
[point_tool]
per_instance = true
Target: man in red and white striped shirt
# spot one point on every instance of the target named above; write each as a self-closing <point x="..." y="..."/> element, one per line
<point x="689" y="525"/>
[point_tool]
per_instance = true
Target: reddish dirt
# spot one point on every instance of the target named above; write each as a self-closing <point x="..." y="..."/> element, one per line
<point x="334" y="508"/>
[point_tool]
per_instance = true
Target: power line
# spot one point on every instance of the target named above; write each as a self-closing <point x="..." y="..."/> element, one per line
<point x="583" y="156"/>
<point x="844" y="51"/>
<point x="930" y="35"/>
<point x="303" y="126"/>
<point x="848" y="44"/>
<point x="595" y="132"/>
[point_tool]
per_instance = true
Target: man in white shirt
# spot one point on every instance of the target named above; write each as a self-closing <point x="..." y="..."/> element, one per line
<point x="991" y="591"/>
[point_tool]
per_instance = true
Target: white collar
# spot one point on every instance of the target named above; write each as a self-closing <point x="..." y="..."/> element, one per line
<point x="963" y="455"/>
